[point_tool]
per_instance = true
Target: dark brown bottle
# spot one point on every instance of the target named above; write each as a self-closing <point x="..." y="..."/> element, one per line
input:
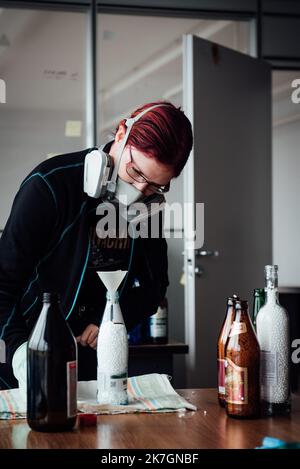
<point x="225" y="329"/>
<point x="242" y="385"/>
<point x="51" y="371"/>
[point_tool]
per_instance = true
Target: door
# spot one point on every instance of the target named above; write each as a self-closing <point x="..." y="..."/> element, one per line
<point x="227" y="96"/>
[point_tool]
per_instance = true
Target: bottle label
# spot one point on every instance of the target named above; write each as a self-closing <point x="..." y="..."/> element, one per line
<point x="237" y="328"/>
<point x="112" y="388"/>
<point x="158" y="323"/>
<point x="221" y="376"/>
<point x="71" y="389"/>
<point x="118" y="383"/>
<point x="269" y="368"/>
<point x="236" y="383"/>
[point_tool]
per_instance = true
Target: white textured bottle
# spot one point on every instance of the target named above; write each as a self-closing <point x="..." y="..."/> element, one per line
<point x="112" y="346"/>
<point x="273" y="336"/>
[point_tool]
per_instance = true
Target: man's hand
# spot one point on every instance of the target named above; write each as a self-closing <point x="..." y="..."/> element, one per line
<point x="89" y="336"/>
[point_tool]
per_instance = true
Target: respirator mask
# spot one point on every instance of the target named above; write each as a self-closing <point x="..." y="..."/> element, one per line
<point x="101" y="180"/>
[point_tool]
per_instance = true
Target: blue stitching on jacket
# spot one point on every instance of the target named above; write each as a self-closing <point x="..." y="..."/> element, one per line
<point x="53" y="249"/>
<point x="63" y="234"/>
<point x="8" y="321"/>
<point x="43" y="176"/>
<point x="39" y="263"/>
<point x="63" y="167"/>
<point x="45" y="181"/>
<point x="81" y="278"/>
<point x="28" y="309"/>
<point x="32" y="281"/>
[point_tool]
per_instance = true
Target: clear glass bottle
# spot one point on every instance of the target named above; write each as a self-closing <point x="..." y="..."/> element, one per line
<point x="273" y="336"/>
<point x="112" y="347"/>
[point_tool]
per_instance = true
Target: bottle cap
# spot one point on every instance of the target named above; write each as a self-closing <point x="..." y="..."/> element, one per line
<point x="232" y="299"/>
<point x="87" y="420"/>
<point x="241" y="304"/>
<point x="112" y="296"/>
<point x="49" y="297"/>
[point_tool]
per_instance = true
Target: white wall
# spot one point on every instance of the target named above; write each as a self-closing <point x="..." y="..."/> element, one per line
<point x="26" y="139"/>
<point x="286" y="202"/>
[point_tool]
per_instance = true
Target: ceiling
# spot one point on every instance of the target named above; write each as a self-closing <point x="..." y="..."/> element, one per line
<point x="44" y="63"/>
<point x="43" y="56"/>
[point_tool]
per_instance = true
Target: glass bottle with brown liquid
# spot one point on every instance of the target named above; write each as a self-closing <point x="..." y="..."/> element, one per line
<point x="51" y="370"/>
<point x="242" y="365"/>
<point x="225" y="329"/>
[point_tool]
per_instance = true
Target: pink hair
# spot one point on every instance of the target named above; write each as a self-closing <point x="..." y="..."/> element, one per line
<point x="164" y="133"/>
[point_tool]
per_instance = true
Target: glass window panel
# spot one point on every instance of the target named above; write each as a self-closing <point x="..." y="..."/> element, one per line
<point x="286" y="176"/>
<point x="140" y="60"/>
<point x="43" y="63"/>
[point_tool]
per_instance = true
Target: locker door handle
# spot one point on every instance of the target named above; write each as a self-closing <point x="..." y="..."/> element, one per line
<point x="206" y="253"/>
<point x="199" y="271"/>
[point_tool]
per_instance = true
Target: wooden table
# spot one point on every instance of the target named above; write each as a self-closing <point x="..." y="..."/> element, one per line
<point x="208" y="427"/>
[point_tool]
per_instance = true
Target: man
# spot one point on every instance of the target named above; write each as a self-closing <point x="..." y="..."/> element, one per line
<point x="50" y="242"/>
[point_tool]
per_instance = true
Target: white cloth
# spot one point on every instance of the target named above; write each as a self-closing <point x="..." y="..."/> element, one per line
<point x="146" y="393"/>
<point x="19" y="365"/>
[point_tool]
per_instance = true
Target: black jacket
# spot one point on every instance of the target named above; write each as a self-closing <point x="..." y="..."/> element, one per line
<point x="45" y="247"/>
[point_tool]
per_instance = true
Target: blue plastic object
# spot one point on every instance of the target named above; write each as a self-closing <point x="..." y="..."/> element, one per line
<point x="275" y="443"/>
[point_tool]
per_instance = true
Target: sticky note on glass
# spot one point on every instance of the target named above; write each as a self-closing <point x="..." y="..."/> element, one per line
<point x="73" y="128"/>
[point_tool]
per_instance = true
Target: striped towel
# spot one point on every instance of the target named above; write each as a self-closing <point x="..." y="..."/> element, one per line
<point x="12" y="404"/>
<point x="146" y="393"/>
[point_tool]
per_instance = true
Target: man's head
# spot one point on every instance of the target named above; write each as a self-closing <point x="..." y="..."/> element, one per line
<point x="157" y="148"/>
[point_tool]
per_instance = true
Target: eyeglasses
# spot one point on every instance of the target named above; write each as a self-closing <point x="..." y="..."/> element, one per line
<point x="137" y="176"/>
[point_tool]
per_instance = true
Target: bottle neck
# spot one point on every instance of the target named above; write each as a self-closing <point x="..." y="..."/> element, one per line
<point x="52" y="311"/>
<point x="112" y="310"/>
<point x="271" y="294"/>
<point x="242" y="315"/>
<point x="112" y="297"/>
<point x="230" y="314"/>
